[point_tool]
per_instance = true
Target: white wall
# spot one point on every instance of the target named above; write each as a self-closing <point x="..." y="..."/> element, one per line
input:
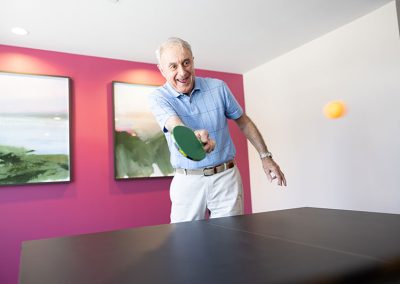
<point x="349" y="163"/>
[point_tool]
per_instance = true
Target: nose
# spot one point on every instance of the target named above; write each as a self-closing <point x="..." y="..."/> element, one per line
<point x="181" y="70"/>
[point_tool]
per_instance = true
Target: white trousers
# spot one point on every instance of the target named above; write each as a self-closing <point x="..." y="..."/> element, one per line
<point x="193" y="195"/>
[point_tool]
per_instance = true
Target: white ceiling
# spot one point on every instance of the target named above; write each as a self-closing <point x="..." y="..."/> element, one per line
<point x="226" y="35"/>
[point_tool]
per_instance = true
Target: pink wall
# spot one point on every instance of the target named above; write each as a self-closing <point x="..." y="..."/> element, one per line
<point x="93" y="202"/>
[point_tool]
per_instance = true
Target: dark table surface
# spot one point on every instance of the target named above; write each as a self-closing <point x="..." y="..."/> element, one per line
<point x="302" y="245"/>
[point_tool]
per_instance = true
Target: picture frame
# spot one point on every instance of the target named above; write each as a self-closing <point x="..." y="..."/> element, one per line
<point x="35" y="129"/>
<point x="140" y="147"/>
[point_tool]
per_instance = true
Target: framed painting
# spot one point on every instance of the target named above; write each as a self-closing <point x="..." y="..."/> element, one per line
<point x="140" y="147"/>
<point x="34" y="129"/>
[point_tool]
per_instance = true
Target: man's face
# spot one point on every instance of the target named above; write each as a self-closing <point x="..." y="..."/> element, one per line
<point x="176" y="65"/>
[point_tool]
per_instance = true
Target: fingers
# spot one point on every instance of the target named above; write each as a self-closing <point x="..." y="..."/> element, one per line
<point x="281" y="179"/>
<point x="273" y="172"/>
<point x="203" y="136"/>
<point x="209" y="146"/>
<point x="269" y="176"/>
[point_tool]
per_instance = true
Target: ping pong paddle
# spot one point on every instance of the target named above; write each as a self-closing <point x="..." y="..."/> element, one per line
<point x="187" y="143"/>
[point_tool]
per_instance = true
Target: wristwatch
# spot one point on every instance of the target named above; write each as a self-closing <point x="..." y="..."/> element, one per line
<point x="264" y="155"/>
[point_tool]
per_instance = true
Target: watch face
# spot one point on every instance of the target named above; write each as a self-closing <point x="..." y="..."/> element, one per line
<point x="266" y="155"/>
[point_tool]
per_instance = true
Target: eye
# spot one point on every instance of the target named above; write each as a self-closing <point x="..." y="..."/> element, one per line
<point x="172" y="66"/>
<point x="186" y="63"/>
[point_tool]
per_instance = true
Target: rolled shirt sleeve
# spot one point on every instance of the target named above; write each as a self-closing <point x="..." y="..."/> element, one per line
<point x="161" y="108"/>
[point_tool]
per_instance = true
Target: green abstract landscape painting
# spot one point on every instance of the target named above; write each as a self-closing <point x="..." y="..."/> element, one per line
<point x="34" y="129"/>
<point x="140" y="147"/>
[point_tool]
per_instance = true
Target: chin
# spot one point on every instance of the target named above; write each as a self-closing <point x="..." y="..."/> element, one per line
<point x="187" y="89"/>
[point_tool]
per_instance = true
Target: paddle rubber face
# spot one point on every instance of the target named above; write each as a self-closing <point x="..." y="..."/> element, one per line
<point x="187" y="143"/>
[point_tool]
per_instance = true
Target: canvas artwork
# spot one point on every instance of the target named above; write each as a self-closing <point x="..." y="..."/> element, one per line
<point x="34" y="129"/>
<point x="140" y="147"/>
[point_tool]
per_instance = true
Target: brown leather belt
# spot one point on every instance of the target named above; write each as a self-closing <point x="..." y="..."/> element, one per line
<point x="208" y="171"/>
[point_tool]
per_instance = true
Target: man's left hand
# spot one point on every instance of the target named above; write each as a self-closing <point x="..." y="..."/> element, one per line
<point x="273" y="171"/>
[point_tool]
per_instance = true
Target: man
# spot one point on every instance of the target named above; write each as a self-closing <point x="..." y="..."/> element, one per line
<point x="204" y="105"/>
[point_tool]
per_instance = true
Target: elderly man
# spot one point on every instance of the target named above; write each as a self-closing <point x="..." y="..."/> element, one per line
<point x="204" y="105"/>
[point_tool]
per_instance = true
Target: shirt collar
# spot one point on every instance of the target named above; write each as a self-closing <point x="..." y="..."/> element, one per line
<point x="197" y="87"/>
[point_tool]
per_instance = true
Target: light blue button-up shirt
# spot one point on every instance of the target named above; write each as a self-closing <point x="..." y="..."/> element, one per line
<point x="208" y="107"/>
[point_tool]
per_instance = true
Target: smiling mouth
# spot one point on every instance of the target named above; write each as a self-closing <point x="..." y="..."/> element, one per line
<point x="183" y="81"/>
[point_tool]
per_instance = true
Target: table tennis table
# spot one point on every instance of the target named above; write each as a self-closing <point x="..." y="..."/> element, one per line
<point x="301" y="245"/>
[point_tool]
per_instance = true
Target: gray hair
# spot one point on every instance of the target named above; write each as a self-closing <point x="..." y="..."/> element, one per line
<point x="172" y="41"/>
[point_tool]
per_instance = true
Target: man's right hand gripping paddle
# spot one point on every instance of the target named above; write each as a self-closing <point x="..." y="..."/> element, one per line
<point x="187" y="143"/>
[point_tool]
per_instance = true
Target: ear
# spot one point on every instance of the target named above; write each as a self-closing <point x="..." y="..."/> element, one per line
<point x="161" y="70"/>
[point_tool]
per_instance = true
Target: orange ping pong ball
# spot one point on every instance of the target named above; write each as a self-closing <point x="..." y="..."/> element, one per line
<point x="334" y="109"/>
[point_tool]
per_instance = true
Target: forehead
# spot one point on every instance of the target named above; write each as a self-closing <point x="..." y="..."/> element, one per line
<point x="175" y="53"/>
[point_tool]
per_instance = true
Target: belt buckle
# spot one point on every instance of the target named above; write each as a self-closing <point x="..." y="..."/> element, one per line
<point x="210" y="173"/>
